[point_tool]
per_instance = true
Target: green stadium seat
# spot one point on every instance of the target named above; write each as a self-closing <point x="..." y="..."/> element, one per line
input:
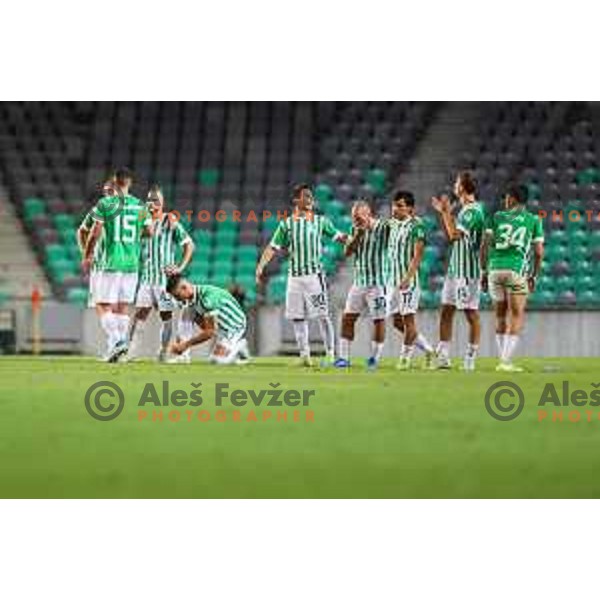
<point x="335" y="209"/>
<point x="4" y="297"/>
<point x="276" y="288"/>
<point x="56" y="252"/>
<point x="202" y="238"/>
<point x="78" y="296"/>
<point x="226" y="237"/>
<point x="220" y="266"/>
<point x="208" y="177"/>
<point x="588" y="176"/>
<point x="534" y="190"/>
<point x="64" y="222"/>
<point x="556" y="236"/>
<point x="587" y="298"/>
<point x="199" y="271"/>
<point x="227" y="225"/>
<point x="33" y="207"/>
<point x="556" y="252"/>
<point x="247" y="253"/>
<point x="323" y="193"/>
<point x="221" y="279"/>
<point x="377" y="179"/>
<point x="594" y="238"/>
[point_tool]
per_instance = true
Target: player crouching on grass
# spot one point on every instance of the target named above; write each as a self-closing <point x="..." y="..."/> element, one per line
<point x="159" y="260"/>
<point x="369" y="243"/>
<point x="407" y="243"/>
<point x="218" y="315"/>
<point x="509" y="237"/>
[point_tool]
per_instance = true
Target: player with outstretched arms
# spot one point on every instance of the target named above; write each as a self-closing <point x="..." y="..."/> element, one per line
<point x="159" y="256"/>
<point x="117" y="218"/>
<point x="219" y="317"/>
<point x="462" y="285"/>
<point x="369" y="245"/>
<point x="512" y="235"/>
<point x="302" y="235"/>
<point x="407" y="244"/>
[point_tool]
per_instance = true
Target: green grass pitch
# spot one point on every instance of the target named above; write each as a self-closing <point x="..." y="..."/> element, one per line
<point x="374" y="435"/>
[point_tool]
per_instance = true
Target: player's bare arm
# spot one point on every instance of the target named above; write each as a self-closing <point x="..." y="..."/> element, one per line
<point x="414" y="265"/>
<point x="354" y="241"/>
<point x="442" y="206"/>
<point x="266" y="257"/>
<point x="538" y="257"/>
<point x="82" y="237"/>
<point x="483" y="259"/>
<point x="206" y="333"/>
<point x="188" y="251"/>
<point x="92" y="240"/>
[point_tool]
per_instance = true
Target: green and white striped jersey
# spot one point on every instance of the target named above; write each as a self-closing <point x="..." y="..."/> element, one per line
<point x="371" y="257"/>
<point x="403" y="240"/>
<point x="218" y="303"/>
<point x="99" y="257"/>
<point x="464" y="253"/>
<point x="160" y="250"/>
<point x="303" y="235"/>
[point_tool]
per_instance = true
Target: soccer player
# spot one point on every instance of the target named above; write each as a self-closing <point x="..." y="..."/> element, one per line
<point x="509" y="238"/>
<point x="302" y="235"/>
<point x="369" y="243"/>
<point x="218" y="315"/>
<point x="159" y="254"/>
<point x="83" y="231"/>
<point x="462" y="285"/>
<point x="117" y="217"/>
<point x="407" y="244"/>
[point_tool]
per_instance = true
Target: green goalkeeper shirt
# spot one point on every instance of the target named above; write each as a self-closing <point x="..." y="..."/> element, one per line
<point x="122" y="232"/>
<point x="513" y="232"/>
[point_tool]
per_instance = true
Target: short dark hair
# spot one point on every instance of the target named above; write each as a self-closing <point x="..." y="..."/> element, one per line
<point x="519" y="192"/>
<point x="123" y="173"/>
<point x="298" y="189"/>
<point x="408" y="197"/>
<point x="468" y="182"/>
<point x="172" y="282"/>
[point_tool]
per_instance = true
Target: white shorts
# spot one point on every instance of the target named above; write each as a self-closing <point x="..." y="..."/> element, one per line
<point x="404" y="302"/>
<point x="93" y="290"/>
<point x="306" y="297"/>
<point x="155" y="296"/>
<point x="462" y="293"/>
<point x="372" y="300"/>
<point x="113" y="287"/>
<point x="230" y="340"/>
<point x="504" y="283"/>
<point x="231" y="344"/>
